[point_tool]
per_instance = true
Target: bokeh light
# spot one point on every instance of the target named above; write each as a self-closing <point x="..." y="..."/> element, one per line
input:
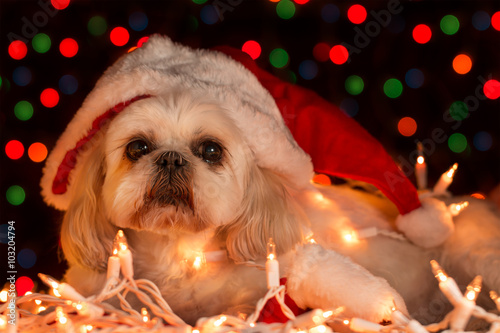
<point x="449" y="24"/>
<point x="339" y="54"/>
<point x="491" y="89"/>
<point x="97" y="25"/>
<point x="41" y="43"/>
<point x="26" y="258"/>
<point x="68" y="47"/>
<point x="481" y="20"/>
<point x="285" y="9"/>
<point x="23" y="110"/>
<point x="252" y="48"/>
<point x="68" y="84"/>
<point x="457" y="142"/>
<point x="24" y="283"/>
<point x="119" y="36"/>
<point x="15" y="195"/>
<point x="422" y="33"/>
<point x="495" y="21"/>
<point x="414" y="78"/>
<point x="17" y="50"/>
<point x="330" y="13"/>
<point x="322" y="179"/>
<point x="37" y="152"/>
<point x="308" y="69"/>
<point x="60" y="4"/>
<point x="393" y="88"/>
<point x="14" y="149"/>
<point x="49" y="98"/>
<point x="459" y="110"/>
<point x="21" y="76"/>
<point x="209" y="14"/>
<point x="349" y="106"/>
<point x="278" y="58"/>
<point x="142" y="40"/>
<point x="482" y="141"/>
<point x="462" y="64"/>
<point x="407" y="126"/>
<point x="354" y="85"/>
<point x="356" y="14"/>
<point x="301" y="2"/>
<point x="138" y="21"/>
<point x="199" y="2"/>
<point x="321" y="52"/>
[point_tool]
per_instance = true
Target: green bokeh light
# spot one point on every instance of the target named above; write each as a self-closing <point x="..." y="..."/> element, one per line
<point x="97" y="25"/>
<point x="193" y="23"/>
<point x="393" y="88"/>
<point x="449" y="24"/>
<point x="285" y="9"/>
<point x="278" y="58"/>
<point x="354" y="85"/>
<point x="41" y="43"/>
<point x="15" y="195"/>
<point x="457" y="142"/>
<point x="23" y="110"/>
<point x="199" y="2"/>
<point x="0" y="82"/>
<point x="459" y="110"/>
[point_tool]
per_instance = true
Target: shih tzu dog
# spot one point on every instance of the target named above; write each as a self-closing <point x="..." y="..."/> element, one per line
<point x="187" y="152"/>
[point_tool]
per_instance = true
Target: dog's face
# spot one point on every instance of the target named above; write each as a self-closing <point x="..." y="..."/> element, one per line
<point x="173" y="162"/>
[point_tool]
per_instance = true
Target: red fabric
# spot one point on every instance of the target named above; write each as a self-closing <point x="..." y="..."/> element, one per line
<point x="337" y="144"/>
<point x="60" y="183"/>
<point x="271" y="313"/>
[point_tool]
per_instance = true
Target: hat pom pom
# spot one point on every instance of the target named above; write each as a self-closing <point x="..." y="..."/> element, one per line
<point x="427" y="226"/>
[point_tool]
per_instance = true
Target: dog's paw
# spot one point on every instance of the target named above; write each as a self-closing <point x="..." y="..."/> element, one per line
<point x="320" y="278"/>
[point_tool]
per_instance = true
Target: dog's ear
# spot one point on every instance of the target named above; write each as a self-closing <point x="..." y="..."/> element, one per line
<point x="267" y="211"/>
<point x="86" y="235"/>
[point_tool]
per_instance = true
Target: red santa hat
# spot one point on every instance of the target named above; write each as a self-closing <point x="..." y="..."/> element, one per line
<point x="257" y="102"/>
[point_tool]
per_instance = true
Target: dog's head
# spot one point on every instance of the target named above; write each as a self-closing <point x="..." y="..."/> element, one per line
<point x="176" y="163"/>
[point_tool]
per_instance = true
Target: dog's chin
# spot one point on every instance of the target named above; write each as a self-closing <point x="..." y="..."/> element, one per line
<point x="165" y="217"/>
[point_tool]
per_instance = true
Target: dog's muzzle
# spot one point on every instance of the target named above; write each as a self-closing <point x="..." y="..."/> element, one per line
<point x="172" y="182"/>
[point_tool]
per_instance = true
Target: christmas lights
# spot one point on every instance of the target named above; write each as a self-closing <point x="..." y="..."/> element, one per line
<point x="421" y="169"/>
<point x="272" y="266"/>
<point x="361" y="325"/>
<point x="63" y="290"/>
<point x="494" y="296"/>
<point x="456" y="209"/>
<point x="464" y="308"/>
<point x="125" y="255"/>
<point x="447" y="284"/>
<point x="445" y="180"/>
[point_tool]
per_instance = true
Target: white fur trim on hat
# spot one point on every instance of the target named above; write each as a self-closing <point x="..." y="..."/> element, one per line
<point x="161" y="66"/>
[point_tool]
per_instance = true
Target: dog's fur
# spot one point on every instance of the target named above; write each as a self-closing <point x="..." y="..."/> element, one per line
<point x="171" y="212"/>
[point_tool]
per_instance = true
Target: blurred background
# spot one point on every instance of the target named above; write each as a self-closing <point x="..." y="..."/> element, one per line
<point x="407" y="71"/>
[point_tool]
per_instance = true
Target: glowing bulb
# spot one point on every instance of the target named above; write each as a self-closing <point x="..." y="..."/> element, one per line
<point x="351" y="236"/>
<point x="420" y="160"/>
<point x="494" y="296"/>
<point x="456" y="209"/>
<point x="61" y="289"/>
<point x="41" y="308"/>
<point x="220" y="321"/>
<point x="61" y="316"/>
<point x="346" y="322"/>
<point x="3" y="296"/>
<point x="49" y="280"/>
<point x="38" y="302"/>
<point x="452" y="170"/>
<point x="272" y="266"/>
<point x="3" y="321"/>
<point x="474" y="288"/>
<point x="252" y="324"/>
<point x="120" y="243"/>
<point x="28" y="293"/>
<point x="447" y="285"/>
<point x="145" y="315"/>
<point x="271" y="249"/>
<point x="197" y="331"/>
<point x="445" y="180"/>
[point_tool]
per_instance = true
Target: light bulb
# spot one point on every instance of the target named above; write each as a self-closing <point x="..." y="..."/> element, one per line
<point x="456" y="209"/>
<point x="120" y="242"/>
<point x="126" y="264"/>
<point x="272" y="266"/>
<point x="145" y="315"/>
<point x="421" y="173"/>
<point x="447" y="285"/>
<point x="474" y="288"/>
<point x="271" y="249"/>
<point x="445" y="180"/>
<point x="494" y="296"/>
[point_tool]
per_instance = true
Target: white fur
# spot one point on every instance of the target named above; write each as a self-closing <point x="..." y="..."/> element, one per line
<point x="238" y="206"/>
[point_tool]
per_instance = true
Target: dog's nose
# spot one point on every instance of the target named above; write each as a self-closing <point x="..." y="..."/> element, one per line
<point x="171" y="158"/>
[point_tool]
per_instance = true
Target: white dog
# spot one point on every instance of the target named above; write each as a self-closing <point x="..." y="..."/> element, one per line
<point x="187" y="153"/>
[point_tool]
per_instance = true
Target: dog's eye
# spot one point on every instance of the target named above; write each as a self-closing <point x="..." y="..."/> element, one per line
<point x="210" y="151"/>
<point x="136" y="149"/>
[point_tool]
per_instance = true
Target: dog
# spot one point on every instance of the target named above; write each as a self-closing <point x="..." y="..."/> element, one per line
<point x="182" y="172"/>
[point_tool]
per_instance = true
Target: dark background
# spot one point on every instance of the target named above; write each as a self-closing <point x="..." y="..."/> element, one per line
<point x="389" y="54"/>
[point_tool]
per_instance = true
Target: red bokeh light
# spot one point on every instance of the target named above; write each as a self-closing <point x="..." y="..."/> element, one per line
<point x="49" y="98"/>
<point x="17" y="50"/>
<point x="495" y="21"/>
<point x="491" y="89"/>
<point x="60" y="4"/>
<point x="356" y="14"/>
<point x="252" y="48"/>
<point x="23" y="285"/>
<point x="119" y="36"/>
<point x="14" y="149"/>
<point x="68" y="47"/>
<point x="339" y="54"/>
<point x="321" y="52"/>
<point x="407" y="126"/>
<point x="422" y="33"/>
<point x="141" y="41"/>
<point x="301" y="2"/>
